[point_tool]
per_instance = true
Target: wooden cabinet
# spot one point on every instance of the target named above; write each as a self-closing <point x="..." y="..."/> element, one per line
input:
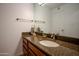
<point x="35" y="50"/>
<point x="30" y="49"/>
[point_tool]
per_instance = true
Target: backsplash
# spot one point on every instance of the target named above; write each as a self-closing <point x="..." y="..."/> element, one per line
<point x="68" y="39"/>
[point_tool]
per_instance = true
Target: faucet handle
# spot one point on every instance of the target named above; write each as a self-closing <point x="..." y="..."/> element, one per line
<point x="53" y="36"/>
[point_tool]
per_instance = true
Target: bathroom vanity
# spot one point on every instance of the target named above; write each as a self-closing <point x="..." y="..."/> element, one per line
<point x="32" y="47"/>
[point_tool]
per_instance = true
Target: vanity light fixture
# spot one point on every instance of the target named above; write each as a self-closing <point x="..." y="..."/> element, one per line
<point x="41" y="4"/>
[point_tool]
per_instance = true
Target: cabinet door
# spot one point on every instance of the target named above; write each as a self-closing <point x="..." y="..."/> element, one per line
<point x="25" y="52"/>
<point x="35" y="50"/>
<point x="31" y="53"/>
<point x="25" y="47"/>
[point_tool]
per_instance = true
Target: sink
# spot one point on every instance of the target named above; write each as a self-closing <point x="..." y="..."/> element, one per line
<point x="48" y="43"/>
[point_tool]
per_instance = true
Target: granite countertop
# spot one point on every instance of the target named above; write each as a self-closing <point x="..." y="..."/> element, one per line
<point x="61" y="50"/>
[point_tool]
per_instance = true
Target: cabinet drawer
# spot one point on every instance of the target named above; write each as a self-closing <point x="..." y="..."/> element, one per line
<point x="25" y="46"/>
<point x="25" y="52"/>
<point x="35" y="50"/>
<point x="25" y="41"/>
<point x="31" y="53"/>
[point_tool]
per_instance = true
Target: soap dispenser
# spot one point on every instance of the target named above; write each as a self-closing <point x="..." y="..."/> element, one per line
<point x="32" y="30"/>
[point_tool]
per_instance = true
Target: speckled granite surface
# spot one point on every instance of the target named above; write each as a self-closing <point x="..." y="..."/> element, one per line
<point x="65" y="48"/>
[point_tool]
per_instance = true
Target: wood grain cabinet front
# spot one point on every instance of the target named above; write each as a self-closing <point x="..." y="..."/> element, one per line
<point x="35" y="50"/>
<point x="25" y="47"/>
<point x="30" y="49"/>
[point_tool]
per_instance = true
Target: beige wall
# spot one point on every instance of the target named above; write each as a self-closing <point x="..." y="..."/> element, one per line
<point x="10" y="29"/>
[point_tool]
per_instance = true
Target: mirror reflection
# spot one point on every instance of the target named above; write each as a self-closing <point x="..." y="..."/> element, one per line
<point x="60" y="18"/>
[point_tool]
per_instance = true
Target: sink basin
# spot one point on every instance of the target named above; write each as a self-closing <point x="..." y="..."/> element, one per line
<point x="48" y="43"/>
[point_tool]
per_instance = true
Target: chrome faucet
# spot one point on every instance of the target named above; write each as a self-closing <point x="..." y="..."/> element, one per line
<point x="53" y="36"/>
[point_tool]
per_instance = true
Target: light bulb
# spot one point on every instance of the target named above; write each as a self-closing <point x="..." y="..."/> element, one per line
<point x="41" y="4"/>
